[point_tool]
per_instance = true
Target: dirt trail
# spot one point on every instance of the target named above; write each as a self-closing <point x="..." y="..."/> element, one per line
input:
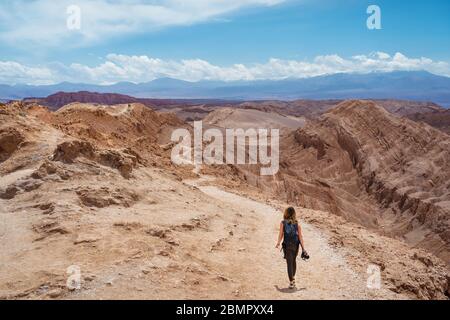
<point x="325" y="276"/>
<point x="212" y="264"/>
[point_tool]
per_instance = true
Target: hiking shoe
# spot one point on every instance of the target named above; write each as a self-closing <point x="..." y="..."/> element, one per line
<point x="292" y="285"/>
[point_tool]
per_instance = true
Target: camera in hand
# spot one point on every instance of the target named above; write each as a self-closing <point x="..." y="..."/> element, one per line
<point x="305" y="255"/>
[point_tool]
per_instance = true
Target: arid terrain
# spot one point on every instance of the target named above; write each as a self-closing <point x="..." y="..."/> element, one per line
<point x="381" y="171"/>
<point x="91" y="186"/>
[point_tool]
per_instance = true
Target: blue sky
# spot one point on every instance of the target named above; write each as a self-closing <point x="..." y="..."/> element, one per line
<point x="140" y="40"/>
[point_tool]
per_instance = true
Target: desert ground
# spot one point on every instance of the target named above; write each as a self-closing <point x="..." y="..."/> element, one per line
<point x="90" y="187"/>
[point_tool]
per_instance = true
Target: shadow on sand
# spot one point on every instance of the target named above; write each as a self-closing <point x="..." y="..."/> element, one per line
<point x="287" y="290"/>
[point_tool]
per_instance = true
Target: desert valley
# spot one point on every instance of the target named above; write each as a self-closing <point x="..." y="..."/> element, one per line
<point x="87" y="182"/>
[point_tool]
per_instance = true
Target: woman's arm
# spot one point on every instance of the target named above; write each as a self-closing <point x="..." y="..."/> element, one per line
<point x="280" y="235"/>
<point x="300" y="237"/>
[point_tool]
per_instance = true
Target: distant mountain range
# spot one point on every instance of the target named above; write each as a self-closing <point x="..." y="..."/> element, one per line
<point x="60" y="99"/>
<point x="405" y="85"/>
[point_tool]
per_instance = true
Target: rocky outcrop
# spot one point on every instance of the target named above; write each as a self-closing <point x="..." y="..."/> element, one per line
<point x="21" y="185"/>
<point x="402" y="166"/>
<point x="104" y="197"/>
<point x="70" y="150"/>
<point x="311" y="141"/>
<point x="10" y="140"/>
<point x="123" y="161"/>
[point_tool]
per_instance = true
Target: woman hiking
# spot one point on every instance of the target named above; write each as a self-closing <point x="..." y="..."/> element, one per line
<point x="291" y="234"/>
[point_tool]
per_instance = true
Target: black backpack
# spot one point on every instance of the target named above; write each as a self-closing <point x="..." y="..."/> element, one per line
<point x="290" y="233"/>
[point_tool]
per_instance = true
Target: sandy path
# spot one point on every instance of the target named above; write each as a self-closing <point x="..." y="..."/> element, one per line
<point x="325" y="276"/>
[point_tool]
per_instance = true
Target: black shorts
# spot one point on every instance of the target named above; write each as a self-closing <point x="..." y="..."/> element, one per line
<point x="290" y="248"/>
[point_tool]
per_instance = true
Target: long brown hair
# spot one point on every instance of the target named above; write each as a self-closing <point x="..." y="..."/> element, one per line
<point x="290" y="215"/>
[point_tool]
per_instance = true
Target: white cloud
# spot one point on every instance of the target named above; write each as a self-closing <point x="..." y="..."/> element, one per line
<point x="12" y="72"/>
<point x="137" y="69"/>
<point x="24" y="22"/>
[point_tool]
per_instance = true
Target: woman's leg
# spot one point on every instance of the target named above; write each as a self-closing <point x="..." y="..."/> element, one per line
<point x="290" y="261"/>
<point x="294" y="268"/>
<point x="294" y="262"/>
